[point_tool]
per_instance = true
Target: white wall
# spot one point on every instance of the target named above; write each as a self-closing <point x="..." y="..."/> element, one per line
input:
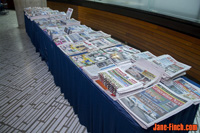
<point x="21" y="4"/>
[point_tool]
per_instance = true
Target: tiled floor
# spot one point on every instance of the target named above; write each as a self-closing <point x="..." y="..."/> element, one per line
<point x="29" y="99"/>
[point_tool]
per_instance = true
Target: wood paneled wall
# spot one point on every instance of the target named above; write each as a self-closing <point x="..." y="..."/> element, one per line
<point x="140" y="34"/>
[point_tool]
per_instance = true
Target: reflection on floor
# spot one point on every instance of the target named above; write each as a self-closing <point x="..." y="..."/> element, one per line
<point x="29" y="99"/>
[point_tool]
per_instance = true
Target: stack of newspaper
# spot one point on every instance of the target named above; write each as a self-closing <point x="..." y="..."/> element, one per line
<point x="154" y="104"/>
<point x="144" y="71"/>
<point x="37" y="12"/>
<point x="102" y="43"/>
<point x="172" y="67"/>
<point x="143" y="55"/>
<point x="187" y="90"/>
<point x="98" y="34"/>
<point x="77" y="48"/>
<point x="113" y="41"/>
<point x="77" y="29"/>
<point x="42" y="21"/>
<point x="75" y="37"/>
<point x="93" y="62"/>
<point x="62" y="40"/>
<point x="118" y="81"/>
<point x="54" y="32"/>
<point x="86" y="36"/>
<point x="121" y="54"/>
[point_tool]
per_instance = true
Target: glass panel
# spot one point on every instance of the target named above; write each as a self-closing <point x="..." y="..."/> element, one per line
<point x="184" y="9"/>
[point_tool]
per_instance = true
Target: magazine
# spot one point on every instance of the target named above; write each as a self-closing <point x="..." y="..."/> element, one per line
<point x="185" y="89"/>
<point x="118" y="81"/>
<point x="153" y="104"/>
<point x="172" y="67"/>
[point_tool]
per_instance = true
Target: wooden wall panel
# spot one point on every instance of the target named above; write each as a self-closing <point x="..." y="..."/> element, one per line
<point x="143" y="35"/>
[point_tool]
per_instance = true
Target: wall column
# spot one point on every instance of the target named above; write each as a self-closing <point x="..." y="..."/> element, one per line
<point x="21" y="4"/>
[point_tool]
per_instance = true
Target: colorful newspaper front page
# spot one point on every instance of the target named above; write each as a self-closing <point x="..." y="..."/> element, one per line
<point x="153" y="105"/>
<point x="186" y="89"/>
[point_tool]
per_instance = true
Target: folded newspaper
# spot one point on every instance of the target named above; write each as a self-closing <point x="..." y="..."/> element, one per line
<point x="172" y="67"/>
<point x="143" y="55"/>
<point x="121" y="54"/>
<point x="98" y="57"/>
<point x="153" y="105"/>
<point x="98" y="34"/>
<point x="71" y="22"/>
<point x="82" y="60"/>
<point x="62" y="40"/>
<point x="118" y="81"/>
<point x="144" y="71"/>
<point x="76" y="38"/>
<point x="77" y="48"/>
<point x="113" y="41"/>
<point x="102" y="43"/>
<point x="77" y="29"/>
<point x="184" y="88"/>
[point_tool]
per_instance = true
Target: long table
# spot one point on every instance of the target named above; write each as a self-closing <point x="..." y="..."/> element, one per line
<point x="97" y="111"/>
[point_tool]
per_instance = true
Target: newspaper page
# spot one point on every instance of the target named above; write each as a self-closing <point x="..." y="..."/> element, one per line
<point x="171" y="66"/>
<point x="100" y="44"/>
<point x="78" y="48"/>
<point x="77" y="29"/>
<point x="113" y="41"/>
<point x="144" y="71"/>
<point x="92" y="71"/>
<point x="61" y="40"/>
<point x="69" y="13"/>
<point x="153" y="104"/>
<point x="143" y="55"/>
<point x="71" y="22"/>
<point x="82" y="60"/>
<point x="86" y="36"/>
<point x="186" y="89"/>
<point x="98" y="34"/>
<point x="101" y="59"/>
<point x="120" y="54"/>
<point x="76" y="38"/>
<point x="118" y="81"/>
<point x="129" y="49"/>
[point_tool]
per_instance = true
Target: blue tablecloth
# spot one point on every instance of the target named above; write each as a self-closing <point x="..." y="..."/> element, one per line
<point x="97" y="111"/>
